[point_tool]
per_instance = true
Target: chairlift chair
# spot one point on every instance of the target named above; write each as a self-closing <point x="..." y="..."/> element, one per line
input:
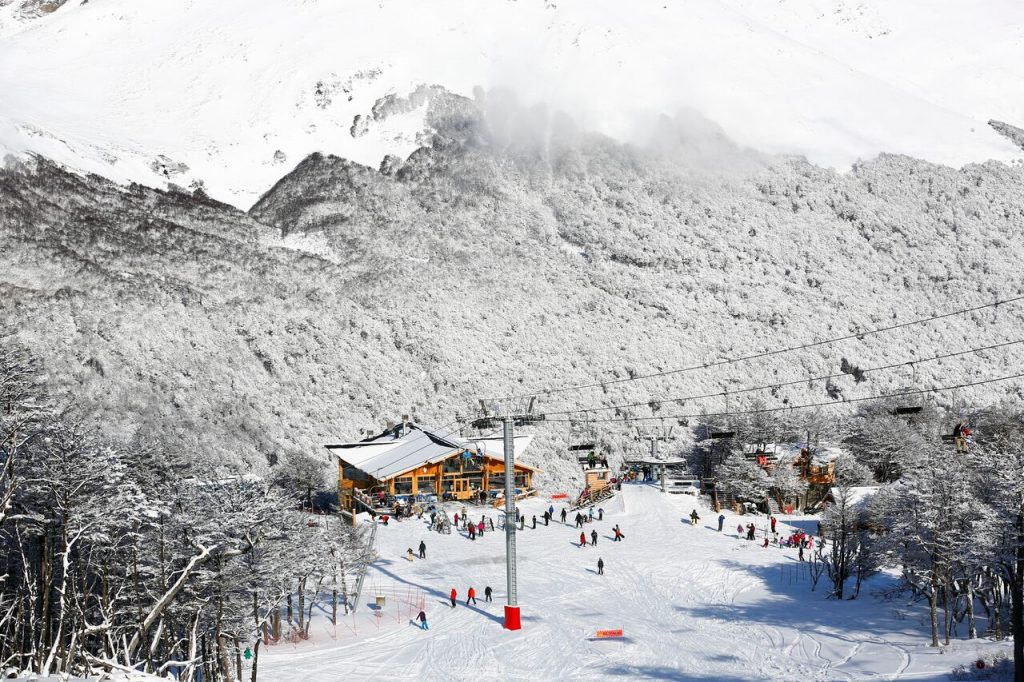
<point x="909" y="408"/>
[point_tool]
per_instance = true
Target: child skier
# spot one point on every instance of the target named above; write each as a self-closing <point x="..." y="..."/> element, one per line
<point x="694" y="518"/>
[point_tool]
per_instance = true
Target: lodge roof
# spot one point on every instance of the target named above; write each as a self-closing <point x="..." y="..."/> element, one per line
<point x="400" y="450"/>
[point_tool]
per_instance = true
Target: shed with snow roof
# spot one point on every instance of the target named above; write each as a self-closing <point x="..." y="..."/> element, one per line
<point x="409" y="460"/>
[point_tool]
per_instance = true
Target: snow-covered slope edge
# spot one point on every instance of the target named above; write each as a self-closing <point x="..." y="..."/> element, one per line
<point x="229" y="94"/>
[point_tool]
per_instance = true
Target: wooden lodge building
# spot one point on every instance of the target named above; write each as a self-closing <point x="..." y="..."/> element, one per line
<point x="408" y="461"/>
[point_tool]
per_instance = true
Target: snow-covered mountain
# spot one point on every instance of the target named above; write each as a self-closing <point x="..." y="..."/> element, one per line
<point x="229" y="94"/>
<point x="473" y="268"/>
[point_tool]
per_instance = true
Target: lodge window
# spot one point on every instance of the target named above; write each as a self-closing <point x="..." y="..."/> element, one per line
<point x="452" y="465"/>
<point x="520" y="479"/>
<point x="403" y="485"/>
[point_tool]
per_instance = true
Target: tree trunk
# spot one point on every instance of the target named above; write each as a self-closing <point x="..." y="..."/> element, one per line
<point x="972" y="628"/>
<point x="933" y="598"/>
<point x="1017" y="602"/>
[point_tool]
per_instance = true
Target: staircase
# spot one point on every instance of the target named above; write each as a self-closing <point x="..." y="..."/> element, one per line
<point x="593" y="498"/>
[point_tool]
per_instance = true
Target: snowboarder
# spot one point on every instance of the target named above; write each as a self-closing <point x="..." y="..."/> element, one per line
<point x="694" y="518"/>
<point x="618" y="534"/>
<point x="773" y="520"/>
<point x="563" y="514"/>
<point x="423" y="550"/>
<point x="600" y="566"/>
<point x="583" y="539"/>
<point x="721" y="522"/>
<point x="487" y="593"/>
<point x="422" y="618"/>
<point x="593" y="537"/>
<point x="471" y="596"/>
<point x="600" y="514"/>
<point x="454" y="596"/>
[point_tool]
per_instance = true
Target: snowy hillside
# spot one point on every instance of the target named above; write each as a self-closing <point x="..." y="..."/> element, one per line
<point x="475" y="268"/>
<point x="229" y="94"/>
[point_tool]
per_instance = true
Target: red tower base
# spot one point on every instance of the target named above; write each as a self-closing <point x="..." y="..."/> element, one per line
<point x="512" y="618"/>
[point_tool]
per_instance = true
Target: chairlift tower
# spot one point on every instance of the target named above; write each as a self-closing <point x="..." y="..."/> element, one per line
<point x="509" y="413"/>
<point x="655" y="436"/>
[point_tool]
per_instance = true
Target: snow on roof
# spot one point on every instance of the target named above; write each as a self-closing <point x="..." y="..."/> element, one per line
<point x="858" y="495"/>
<point x="385" y="456"/>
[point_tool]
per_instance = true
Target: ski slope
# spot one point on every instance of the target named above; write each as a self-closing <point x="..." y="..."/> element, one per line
<point x="693" y="604"/>
<point x="233" y="93"/>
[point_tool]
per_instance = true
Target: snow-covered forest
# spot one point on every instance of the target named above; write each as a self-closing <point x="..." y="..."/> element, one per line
<point x="121" y="557"/>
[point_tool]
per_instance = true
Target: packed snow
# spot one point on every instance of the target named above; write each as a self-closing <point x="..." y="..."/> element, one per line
<point x="229" y="95"/>
<point x="693" y="603"/>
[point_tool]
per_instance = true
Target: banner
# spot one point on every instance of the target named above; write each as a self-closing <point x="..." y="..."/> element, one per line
<point x="606" y="634"/>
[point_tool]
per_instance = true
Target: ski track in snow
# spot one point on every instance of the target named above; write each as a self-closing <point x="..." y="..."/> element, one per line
<point x="694" y="604"/>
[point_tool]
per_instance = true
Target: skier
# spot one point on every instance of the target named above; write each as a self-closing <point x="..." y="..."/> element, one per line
<point x="480" y="528"/>
<point x="423" y="550"/>
<point x="563" y="514"/>
<point x="456" y="519"/>
<point x="721" y="522"/>
<point x="534" y="526"/>
<point x="694" y="518"/>
<point x="579" y="520"/>
<point x="487" y="593"/>
<point x="471" y="596"/>
<point x="472" y="532"/>
<point x="618" y="533"/>
<point x="422" y="618"/>
<point x="600" y="514"/>
<point x="591" y="513"/>
<point x="547" y="517"/>
<point x="765" y="545"/>
<point x="454" y="596"/>
<point x="773" y="520"/>
<point x="551" y="511"/>
<point x="600" y="566"/>
<point x="593" y="537"/>
<point x="583" y="539"/>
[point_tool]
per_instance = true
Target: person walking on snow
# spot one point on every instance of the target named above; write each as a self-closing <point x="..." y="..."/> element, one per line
<point x="600" y="514"/>
<point x="547" y="517"/>
<point x="593" y="537"/>
<point x="583" y="539"/>
<point x="534" y="526"/>
<point x="423" y="550"/>
<point x="579" y="520"/>
<point x="591" y="513"/>
<point x="551" y="511"/>
<point x="454" y="597"/>
<point x="422" y="618"/>
<point x="471" y="596"/>
<point x="721" y="522"/>
<point x="739" y="530"/>
<point x="563" y="514"/>
<point x="456" y="519"/>
<point x="487" y="593"/>
<point x="694" y="518"/>
<point x="472" y="531"/>
<point x="773" y="520"/>
<point x="600" y="566"/>
<point x="480" y="528"/>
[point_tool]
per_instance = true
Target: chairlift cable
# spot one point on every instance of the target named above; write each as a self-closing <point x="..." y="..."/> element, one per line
<point x="779" y="351"/>
<point x="809" y="405"/>
<point x="783" y="384"/>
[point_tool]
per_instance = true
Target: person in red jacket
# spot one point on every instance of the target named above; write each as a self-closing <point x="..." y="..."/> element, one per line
<point x="471" y="596"/>
<point x="455" y="595"/>
<point x="583" y="539"/>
